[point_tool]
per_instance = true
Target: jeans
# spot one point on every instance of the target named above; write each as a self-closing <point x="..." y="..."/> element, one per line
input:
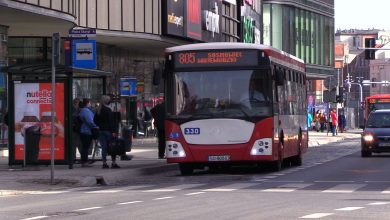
<point x="86" y="141"/>
<point x="104" y="138"/>
<point x="334" y="130"/>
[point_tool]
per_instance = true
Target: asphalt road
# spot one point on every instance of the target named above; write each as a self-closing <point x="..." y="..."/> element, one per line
<point x="333" y="183"/>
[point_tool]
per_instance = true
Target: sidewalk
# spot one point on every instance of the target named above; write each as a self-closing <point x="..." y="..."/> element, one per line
<point x="321" y="138"/>
<point x="144" y="164"/>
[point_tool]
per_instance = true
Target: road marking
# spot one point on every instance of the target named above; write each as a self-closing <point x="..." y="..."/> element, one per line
<point x="287" y="187"/>
<point x="37" y="217"/>
<point x="86" y="209"/>
<point x="126" y="203"/>
<point x="270" y="177"/>
<point x="231" y="187"/>
<point x="195" y="193"/>
<point x="378" y="203"/>
<point x="334" y="181"/>
<point x="344" y="188"/>
<point x="140" y="150"/>
<point x="317" y="215"/>
<point x="377" y="181"/>
<point x="285" y="181"/>
<point x="46" y="193"/>
<point x="386" y="191"/>
<point x="260" y="180"/>
<point x="162" y="198"/>
<point x="105" y="191"/>
<point x="349" y="208"/>
<point x="174" y="188"/>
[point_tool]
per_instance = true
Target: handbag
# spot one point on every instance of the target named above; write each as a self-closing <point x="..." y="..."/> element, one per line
<point x="116" y="146"/>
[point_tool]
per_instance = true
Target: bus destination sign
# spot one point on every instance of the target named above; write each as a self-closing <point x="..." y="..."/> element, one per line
<point x="216" y="58"/>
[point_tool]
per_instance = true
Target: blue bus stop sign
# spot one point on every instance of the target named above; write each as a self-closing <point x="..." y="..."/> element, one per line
<point x="84" y="54"/>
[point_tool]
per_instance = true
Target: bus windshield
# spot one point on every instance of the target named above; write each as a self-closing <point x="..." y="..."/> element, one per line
<point x="222" y="94"/>
<point x="377" y="106"/>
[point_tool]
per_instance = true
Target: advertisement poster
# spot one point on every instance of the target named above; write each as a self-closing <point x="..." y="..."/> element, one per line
<point x="33" y="108"/>
<point x="128" y="86"/>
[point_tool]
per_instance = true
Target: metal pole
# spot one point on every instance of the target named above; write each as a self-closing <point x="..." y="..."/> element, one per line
<point x="54" y="41"/>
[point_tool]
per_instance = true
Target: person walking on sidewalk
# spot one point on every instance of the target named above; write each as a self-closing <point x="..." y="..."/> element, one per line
<point x="322" y="121"/>
<point x="334" y="119"/>
<point x="158" y="113"/>
<point x="342" y="121"/>
<point x="86" y="116"/>
<point x="108" y="129"/>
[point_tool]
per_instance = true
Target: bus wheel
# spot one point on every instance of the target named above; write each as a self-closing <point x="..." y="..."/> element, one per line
<point x="277" y="165"/>
<point x="186" y="169"/>
<point x="297" y="160"/>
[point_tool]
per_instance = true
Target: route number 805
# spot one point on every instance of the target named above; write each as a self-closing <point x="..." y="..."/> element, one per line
<point x="185" y="58"/>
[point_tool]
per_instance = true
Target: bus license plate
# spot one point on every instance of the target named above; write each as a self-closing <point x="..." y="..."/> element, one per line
<point x="219" y="158"/>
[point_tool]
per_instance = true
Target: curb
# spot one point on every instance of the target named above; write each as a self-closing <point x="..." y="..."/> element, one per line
<point x="123" y="176"/>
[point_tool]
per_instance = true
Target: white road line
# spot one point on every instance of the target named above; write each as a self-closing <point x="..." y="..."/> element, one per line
<point x="231" y="187"/>
<point x="270" y="177"/>
<point x="344" y="188"/>
<point x="37" y="217"/>
<point x="334" y="181"/>
<point x="259" y="180"/>
<point x="349" y="208"/>
<point x="378" y="203"/>
<point x="287" y="187"/>
<point x="86" y="209"/>
<point x="105" y="191"/>
<point x="174" y="188"/>
<point x="317" y="215"/>
<point x="386" y="191"/>
<point x="285" y="181"/>
<point x="126" y="203"/>
<point x="162" y="198"/>
<point x="195" y="193"/>
<point x="46" y="193"/>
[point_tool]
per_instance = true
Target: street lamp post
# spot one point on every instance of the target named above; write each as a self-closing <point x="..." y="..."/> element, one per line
<point x="359" y="103"/>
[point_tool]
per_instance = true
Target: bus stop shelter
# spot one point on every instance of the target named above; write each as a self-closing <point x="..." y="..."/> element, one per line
<point x="29" y="106"/>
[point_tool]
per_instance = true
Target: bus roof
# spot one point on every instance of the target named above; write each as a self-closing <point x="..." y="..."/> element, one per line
<point x="230" y="45"/>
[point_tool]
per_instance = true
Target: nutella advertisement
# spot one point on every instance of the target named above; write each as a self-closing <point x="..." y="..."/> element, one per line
<point x="33" y="108"/>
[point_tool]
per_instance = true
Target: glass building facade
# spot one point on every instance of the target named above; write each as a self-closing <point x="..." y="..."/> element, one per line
<point x="303" y="32"/>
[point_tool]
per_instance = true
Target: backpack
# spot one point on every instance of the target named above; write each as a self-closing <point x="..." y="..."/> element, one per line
<point x="77" y="122"/>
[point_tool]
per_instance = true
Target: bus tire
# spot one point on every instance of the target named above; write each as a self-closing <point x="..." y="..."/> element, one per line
<point x="186" y="169"/>
<point x="297" y="160"/>
<point x="278" y="164"/>
<point x="366" y="153"/>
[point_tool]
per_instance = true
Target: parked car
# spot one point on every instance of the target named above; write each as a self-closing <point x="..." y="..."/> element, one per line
<point x="376" y="134"/>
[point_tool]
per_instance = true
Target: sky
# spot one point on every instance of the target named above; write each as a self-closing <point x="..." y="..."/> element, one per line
<point x="362" y="14"/>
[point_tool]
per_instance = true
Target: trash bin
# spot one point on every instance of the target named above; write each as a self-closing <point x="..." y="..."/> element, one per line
<point x="32" y="136"/>
<point x="127" y="135"/>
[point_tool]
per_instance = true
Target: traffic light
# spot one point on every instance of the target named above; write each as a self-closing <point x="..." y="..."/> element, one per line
<point x="369" y="43"/>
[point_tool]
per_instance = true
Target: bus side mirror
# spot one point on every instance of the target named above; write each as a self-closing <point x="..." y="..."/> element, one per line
<point x="279" y="77"/>
<point x="157" y="77"/>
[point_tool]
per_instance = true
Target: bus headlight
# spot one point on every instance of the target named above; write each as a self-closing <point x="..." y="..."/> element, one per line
<point x="368" y="137"/>
<point x="262" y="147"/>
<point x="174" y="149"/>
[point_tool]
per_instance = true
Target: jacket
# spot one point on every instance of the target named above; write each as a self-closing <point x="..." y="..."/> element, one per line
<point x="158" y="113"/>
<point x="86" y="116"/>
<point x="105" y="120"/>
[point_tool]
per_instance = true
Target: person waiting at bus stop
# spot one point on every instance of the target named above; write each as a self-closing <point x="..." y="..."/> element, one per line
<point x="158" y="113"/>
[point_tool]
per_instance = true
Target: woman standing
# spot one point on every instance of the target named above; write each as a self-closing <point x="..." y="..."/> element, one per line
<point x="86" y="116"/>
<point x="108" y="130"/>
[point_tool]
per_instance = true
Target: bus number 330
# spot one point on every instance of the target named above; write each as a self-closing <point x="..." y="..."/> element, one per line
<point x="191" y="131"/>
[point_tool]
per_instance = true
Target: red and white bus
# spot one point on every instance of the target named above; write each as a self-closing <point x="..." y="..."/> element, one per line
<point x="375" y="102"/>
<point x="213" y="117"/>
